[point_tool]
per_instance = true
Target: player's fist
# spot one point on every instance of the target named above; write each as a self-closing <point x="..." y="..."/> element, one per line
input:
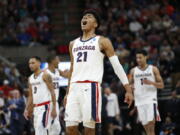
<point x="147" y="82"/>
<point x="129" y="98"/>
<point x="53" y="113"/>
<point x="26" y="114"/>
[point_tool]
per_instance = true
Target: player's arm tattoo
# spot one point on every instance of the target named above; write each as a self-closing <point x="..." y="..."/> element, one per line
<point x="159" y="81"/>
<point x="48" y="80"/>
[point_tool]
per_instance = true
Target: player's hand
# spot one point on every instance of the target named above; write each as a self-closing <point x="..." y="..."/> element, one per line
<point x="65" y="100"/>
<point x="53" y="113"/>
<point x="129" y="98"/>
<point x="26" y="114"/>
<point x="147" y="82"/>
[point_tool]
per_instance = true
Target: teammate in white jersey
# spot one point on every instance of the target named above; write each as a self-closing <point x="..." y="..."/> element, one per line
<point x="83" y="100"/>
<point x="145" y="80"/>
<point x="55" y="74"/>
<point x="41" y="98"/>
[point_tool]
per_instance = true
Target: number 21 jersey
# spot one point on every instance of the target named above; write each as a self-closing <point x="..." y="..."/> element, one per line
<point x="88" y="60"/>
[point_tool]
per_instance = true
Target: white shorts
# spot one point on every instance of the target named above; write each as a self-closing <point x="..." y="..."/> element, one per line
<point x="42" y="119"/>
<point x="148" y="113"/>
<point x="83" y="103"/>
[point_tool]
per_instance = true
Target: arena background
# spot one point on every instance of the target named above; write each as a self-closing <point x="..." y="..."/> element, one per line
<point x="45" y="27"/>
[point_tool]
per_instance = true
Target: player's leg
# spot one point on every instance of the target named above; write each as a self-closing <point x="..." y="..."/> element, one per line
<point x="89" y="127"/>
<point x="152" y="114"/>
<point x="150" y="128"/>
<point x="72" y="128"/>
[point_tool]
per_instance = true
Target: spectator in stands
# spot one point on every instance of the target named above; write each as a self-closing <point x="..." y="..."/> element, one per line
<point x="172" y="107"/>
<point x="6" y="88"/>
<point x="16" y="106"/>
<point x="167" y="127"/>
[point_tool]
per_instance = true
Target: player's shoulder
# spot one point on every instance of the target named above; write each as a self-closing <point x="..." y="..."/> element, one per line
<point x="30" y="77"/>
<point x="73" y="41"/>
<point x="103" y="38"/>
<point x="155" y="68"/>
<point x="132" y="70"/>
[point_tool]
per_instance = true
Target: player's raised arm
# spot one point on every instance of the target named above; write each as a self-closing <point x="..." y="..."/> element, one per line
<point x="106" y="46"/>
<point x="48" y="80"/>
<point x="29" y="105"/>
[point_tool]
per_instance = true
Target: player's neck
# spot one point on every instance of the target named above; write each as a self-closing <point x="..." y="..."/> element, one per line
<point x="143" y="66"/>
<point x="51" y="68"/>
<point x="37" y="72"/>
<point x="88" y="34"/>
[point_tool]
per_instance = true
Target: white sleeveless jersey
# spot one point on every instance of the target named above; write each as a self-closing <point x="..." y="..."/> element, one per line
<point x="40" y="90"/>
<point x="143" y="93"/>
<point x="88" y="60"/>
<point x="56" y="81"/>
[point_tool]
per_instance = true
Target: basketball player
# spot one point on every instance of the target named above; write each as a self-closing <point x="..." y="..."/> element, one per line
<point x="42" y="97"/>
<point x="55" y="74"/>
<point x="87" y="52"/>
<point x="146" y="79"/>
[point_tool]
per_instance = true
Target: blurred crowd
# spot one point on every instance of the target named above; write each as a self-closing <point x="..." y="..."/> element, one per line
<point x="130" y="24"/>
<point x="25" y="22"/>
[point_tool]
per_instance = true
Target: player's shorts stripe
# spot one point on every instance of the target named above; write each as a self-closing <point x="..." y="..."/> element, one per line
<point x="156" y="113"/>
<point x="93" y="100"/>
<point x="97" y="103"/>
<point x="45" y="116"/>
<point x="154" y="105"/>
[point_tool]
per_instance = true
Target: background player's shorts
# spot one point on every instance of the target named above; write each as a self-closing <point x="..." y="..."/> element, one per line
<point x="83" y="103"/>
<point x="148" y="113"/>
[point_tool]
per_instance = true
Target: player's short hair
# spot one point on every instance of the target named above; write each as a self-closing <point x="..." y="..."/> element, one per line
<point x="141" y="51"/>
<point x="95" y="14"/>
<point x="36" y="57"/>
<point x="50" y="58"/>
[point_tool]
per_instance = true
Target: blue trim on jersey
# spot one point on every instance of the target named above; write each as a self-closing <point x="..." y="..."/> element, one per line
<point x="93" y="100"/>
<point x="87" y="39"/>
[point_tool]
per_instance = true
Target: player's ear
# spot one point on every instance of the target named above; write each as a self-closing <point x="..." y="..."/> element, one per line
<point x="96" y="25"/>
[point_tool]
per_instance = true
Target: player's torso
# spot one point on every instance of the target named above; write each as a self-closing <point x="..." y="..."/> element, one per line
<point x="88" y="60"/>
<point x="40" y="90"/>
<point x="144" y="93"/>
<point x="56" y="81"/>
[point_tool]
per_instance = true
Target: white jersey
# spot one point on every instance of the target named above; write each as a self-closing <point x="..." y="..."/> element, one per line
<point x="88" y="60"/>
<point x="40" y="90"/>
<point x="56" y="81"/>
<point x="143" y="93"/>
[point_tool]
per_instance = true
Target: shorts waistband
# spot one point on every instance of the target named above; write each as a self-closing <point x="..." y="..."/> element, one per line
<point x="86" y="81"/>
<point x="43" y="103"/>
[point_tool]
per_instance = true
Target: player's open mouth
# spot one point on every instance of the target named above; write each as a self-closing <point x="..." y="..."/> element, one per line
<point x="84" y="22"/>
